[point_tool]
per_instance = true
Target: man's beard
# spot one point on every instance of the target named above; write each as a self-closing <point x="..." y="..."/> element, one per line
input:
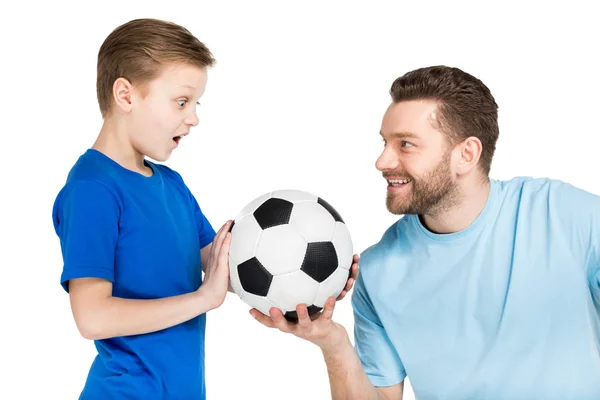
<point x="430" y="194"/>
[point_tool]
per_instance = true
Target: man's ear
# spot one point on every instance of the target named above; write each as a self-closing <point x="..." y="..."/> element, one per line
<point x="470" y="153"/>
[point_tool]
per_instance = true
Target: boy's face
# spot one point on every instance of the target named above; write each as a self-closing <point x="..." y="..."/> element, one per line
<point x="167" y="112"/>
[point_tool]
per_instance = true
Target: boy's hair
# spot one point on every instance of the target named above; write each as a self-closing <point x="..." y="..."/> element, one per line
<point x="139" y="50"/>
<point x="466" y="106"/>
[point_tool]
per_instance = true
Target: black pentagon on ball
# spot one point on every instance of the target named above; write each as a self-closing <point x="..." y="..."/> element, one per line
<point x="292" y="316"/>
<point x="254" y="277"/>
<point x="273" y="212"/>
<point x="336" y="216"/>
<point x="320" y="260"/>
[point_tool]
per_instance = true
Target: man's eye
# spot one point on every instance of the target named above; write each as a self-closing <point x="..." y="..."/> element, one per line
<point x="405" y="144"/>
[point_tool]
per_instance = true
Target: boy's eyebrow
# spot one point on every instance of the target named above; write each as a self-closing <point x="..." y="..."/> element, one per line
<point x="187" y="87"/>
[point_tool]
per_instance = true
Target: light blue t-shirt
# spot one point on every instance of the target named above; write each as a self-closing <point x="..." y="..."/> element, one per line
<point x="508" y="308"/>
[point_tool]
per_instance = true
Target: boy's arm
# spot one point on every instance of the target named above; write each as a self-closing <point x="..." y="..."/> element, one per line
<point x="99" y="315"/>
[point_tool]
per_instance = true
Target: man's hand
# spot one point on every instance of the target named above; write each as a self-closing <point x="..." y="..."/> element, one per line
<point x="322" y="331"/>
<point x="351" y="279"/>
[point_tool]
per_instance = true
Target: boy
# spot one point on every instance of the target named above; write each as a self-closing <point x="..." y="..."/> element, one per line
<point x="130" y="230"/>
<point x="134" y="240"/>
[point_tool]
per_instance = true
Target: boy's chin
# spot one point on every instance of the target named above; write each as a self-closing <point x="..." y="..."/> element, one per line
<point x="158" y="156"/>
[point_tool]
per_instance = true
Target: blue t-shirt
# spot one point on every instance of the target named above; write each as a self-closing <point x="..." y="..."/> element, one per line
<point x="508" y="308"/>
<point x="144" y="234"/>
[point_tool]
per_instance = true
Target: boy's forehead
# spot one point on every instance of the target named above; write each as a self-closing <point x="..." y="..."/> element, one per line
<point x="182" y="76"/>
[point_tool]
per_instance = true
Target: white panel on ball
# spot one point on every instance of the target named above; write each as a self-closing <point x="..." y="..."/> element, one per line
<point x="295" y="196"/>
<point x="253" y="205"/>
<point x="262" y="304"/>
<point x="287" y="291"/>
<point x="244" y="239"/>
<point x="343" y="245"/>
<point x="281" y="250"/>
<point x="332" y="286"/>
<point x="313" y="222"/>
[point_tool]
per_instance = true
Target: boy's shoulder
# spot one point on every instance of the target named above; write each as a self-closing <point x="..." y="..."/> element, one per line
<point x="167" y="172"/>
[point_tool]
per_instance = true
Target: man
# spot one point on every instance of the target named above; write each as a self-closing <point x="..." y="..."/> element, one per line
<point x="485" y="289"/>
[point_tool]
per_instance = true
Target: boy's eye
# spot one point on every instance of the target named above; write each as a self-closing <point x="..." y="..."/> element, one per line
<point x="181" y="102"/>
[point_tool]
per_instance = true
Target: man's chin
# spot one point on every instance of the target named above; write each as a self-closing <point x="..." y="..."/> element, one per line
<point x="397" y="209"/>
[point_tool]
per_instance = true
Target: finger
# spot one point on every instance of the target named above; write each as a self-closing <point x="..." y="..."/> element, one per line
<point x="224" y="251"/>
<point x="328" y="310"/>
<point x="349" y="284"/>
<point x="354" y="271"/>
<point x="355" y="259"/>
<point x="304" y="321"/>
<point x="342" y="295"/>
<point x="279" y="321"/>
<point x="219" y="238"/>
<point x="215" y="243"/>
<point x="262" y="318"/>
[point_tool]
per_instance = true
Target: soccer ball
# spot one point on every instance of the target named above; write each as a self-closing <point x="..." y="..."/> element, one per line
<point x="289" y="247"/>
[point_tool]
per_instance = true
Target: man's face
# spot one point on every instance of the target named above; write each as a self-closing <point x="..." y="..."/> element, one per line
<point x="416" y="160"/>
<point x="165" y="110"/>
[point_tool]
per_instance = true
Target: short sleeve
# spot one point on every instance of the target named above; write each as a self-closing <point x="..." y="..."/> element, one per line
<point x="582" y="211"/>
<point x="206" y="233"/>
<point x="86" y="220"/>
<point x="375" y="351"/>
<point x="594" y="267"/>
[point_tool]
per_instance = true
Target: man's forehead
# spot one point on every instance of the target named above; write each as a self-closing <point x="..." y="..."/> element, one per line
<point x="410" y="119"/>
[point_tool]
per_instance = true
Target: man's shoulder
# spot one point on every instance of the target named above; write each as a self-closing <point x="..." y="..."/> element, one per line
<point x="550" y="190"/>
<point x="393" y="238"/>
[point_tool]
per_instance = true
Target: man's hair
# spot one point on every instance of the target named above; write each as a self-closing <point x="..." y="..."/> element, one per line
<point x="140" y="49"/>
<point x="466" y="106"/>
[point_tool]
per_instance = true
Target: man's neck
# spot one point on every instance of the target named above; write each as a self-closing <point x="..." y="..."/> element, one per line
<point x="470" y="202"/>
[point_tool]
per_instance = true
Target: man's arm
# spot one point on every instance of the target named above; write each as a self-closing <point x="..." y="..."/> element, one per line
<point x="347" y="378"/>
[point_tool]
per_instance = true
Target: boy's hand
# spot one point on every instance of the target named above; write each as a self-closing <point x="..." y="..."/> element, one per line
<point x="216" y="279"/>
<point x="351" y="279"/>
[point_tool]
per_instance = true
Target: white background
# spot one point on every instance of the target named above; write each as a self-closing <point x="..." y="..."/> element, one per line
<point x="295" y="101"/>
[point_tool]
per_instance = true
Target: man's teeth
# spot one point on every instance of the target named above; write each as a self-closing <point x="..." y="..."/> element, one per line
<point x="398" y="182"/>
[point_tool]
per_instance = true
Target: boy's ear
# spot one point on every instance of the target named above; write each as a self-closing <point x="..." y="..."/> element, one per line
<point x="122" y="94"/>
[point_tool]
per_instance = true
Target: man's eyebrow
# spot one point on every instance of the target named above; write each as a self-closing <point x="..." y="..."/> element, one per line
<point x="401" y="135"/>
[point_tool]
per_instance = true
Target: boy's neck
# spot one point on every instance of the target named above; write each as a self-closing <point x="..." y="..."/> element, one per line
<point x="114" y="142"/>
